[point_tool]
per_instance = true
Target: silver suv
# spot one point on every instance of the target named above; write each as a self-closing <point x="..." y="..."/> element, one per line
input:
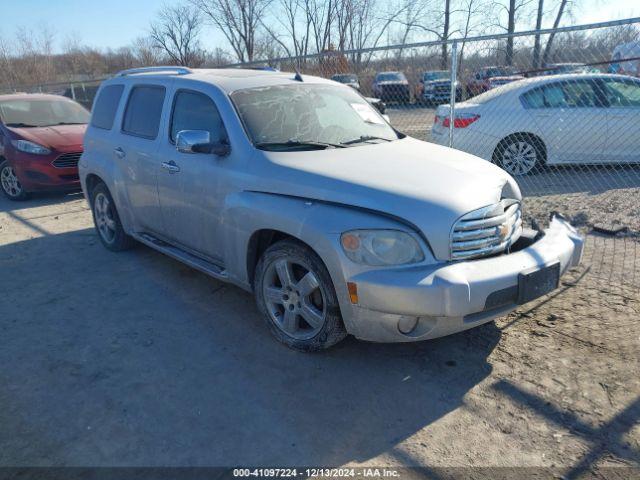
<point x="295" y="188"/>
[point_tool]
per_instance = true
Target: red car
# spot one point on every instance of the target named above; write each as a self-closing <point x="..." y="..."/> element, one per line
<point x="490" y="77"/>
<point x="40" y="143"/>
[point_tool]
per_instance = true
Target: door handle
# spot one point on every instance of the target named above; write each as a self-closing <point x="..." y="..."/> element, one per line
<point x="120" y="153"/>
<point x="171" y="166"/>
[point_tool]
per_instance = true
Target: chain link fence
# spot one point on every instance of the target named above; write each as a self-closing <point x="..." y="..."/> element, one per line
<point x="544" y="105"/>
<point x="558" y="109"/>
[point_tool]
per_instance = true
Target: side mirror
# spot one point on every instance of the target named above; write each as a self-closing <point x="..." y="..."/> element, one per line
<point x="199" y="141"/>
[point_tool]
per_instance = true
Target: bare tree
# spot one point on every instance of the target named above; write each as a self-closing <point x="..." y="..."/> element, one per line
<point x="556" y="23"/>
<point x="238" y="20"/>
<point x="475" y="19"/>
<point x="176" y="32"/>
<point x="146" y="52"/>
<point x="294" y="32"/>
<point x="536" y="43"/>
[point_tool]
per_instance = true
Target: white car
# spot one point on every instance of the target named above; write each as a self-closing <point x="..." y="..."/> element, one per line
<point x="552" y="120"/>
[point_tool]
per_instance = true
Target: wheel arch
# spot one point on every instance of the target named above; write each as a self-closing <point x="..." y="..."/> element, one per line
<point x="260" y="241"/>
<point x="91" y="181"/>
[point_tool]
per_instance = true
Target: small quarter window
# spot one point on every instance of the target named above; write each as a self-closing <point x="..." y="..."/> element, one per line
<point x="144" y="109"/>
<point x="105" y="106"/>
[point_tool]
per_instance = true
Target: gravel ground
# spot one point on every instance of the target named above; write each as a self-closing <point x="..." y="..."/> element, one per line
<point x="134" y="359"/>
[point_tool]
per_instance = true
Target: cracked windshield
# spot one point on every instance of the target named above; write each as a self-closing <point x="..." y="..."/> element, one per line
<point x="303" y="117"/>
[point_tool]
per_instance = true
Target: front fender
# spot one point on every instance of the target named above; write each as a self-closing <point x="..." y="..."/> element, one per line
<point x="315" y="223"/>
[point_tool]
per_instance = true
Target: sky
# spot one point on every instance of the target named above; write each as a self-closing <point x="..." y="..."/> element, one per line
<point x="116" y="23"/>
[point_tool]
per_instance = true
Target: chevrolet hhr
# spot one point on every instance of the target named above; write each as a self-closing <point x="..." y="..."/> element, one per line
<point x="295" y="188"/>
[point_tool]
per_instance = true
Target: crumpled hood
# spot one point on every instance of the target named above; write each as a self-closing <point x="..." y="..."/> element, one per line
<point x="427" y="185"/>
<point x="64" y="138"/>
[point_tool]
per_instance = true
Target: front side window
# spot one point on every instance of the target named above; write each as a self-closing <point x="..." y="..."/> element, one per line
<point x="105" y="107"/>
<point x="28" y="112"/>
<point x="196" y="111"/>
<point x="622" y="93"/>
<point x="144" y="109"/>
<point x="309" y="113"/>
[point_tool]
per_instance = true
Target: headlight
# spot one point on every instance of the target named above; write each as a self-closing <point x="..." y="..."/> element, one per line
<point x="30" y="147"/>
<point x="381" y="247"/>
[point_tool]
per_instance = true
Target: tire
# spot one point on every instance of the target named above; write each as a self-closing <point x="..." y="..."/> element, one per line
<point x="107" y="220"/>
<point x="520" y="154"/>
<point x="9" y="183"/>
<point x="296" y="297"/>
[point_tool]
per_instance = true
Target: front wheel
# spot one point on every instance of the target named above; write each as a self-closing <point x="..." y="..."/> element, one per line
<point x="519" y="155"/>
<point x="107" y="220"/>
<point x="11" y="186"/>
<point x="295" y="294"/>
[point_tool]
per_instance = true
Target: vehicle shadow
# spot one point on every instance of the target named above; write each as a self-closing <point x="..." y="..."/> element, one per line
<point x="39" y="199"/>
<point x="134" y="359"/>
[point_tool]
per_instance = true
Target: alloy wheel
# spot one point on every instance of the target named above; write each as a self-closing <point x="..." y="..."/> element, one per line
<point x="104" y="215"/>
<point x="294" y="299"/>
<point x="10" y="183"/>
<point x="519" y="158"/>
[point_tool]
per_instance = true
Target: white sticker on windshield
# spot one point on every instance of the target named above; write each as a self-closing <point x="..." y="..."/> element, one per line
<point x="366" y="113"/>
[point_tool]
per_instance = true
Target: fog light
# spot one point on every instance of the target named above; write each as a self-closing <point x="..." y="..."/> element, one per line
<point x="407" y="325"/>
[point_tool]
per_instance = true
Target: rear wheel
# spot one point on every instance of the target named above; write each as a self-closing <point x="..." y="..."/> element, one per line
<point x="107" y="220"/>
<point x="520" y="154"/>
<point x="11" y="186"/>
<point x="295" y="294"/>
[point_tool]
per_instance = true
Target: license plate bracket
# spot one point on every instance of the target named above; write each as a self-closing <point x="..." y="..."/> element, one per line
<point x="537" y="282"/>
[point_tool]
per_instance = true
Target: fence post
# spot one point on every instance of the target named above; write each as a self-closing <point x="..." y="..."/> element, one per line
<point x="452" y="97"/>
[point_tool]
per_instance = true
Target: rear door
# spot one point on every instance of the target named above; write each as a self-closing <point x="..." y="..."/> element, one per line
<point x="136" y="149"/>
<point x="571" y="116"/>
<point x="192" y="186"/>
<point x="623" y="119"/>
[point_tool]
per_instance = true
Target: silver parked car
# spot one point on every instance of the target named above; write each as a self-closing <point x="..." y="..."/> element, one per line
<point x="295" y="188"/>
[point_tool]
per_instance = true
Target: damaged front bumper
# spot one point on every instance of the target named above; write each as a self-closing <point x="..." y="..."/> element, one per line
<point x="409" y="304"/>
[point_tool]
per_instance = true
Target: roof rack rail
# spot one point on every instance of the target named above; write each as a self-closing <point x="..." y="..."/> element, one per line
<point x="168" y="69"/>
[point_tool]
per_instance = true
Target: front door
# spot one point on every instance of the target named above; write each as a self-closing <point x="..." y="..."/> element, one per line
<point x="623" y="119"/>
<point x="191" y="186"/>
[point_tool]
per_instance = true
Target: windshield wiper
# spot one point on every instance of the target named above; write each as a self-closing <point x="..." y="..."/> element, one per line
<point x="64" y="123"/>
<point x="20" y="125"/>
<point x="364" y="138"/>
<point x="298" y="143"/>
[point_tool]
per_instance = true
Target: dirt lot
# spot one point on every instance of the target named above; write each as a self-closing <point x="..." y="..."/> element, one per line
<point x="133" y="359"/>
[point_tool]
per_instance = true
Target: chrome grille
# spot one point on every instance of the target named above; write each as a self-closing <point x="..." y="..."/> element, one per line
<point x="67" y="160"/>
<point x="487" y="231"/>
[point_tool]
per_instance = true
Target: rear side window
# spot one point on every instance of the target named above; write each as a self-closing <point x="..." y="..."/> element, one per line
<point x="195" y="111"/>
<point x="144" y="108"/>
<point x="105" y="107"/>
